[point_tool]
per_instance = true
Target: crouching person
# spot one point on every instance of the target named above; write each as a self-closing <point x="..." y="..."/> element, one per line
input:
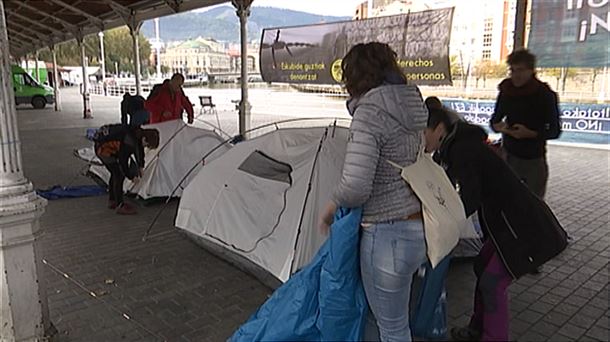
<point x="520" y="231"/>
<point x="114" y="146"/>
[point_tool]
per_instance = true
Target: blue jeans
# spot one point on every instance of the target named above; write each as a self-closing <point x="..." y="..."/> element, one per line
<point x="390" y="253"/>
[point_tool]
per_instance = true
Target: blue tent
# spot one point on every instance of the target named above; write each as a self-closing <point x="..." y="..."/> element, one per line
<point x="324" y="301"/>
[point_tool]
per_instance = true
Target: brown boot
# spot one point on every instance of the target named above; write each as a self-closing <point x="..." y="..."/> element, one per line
<point x="126" y="209"/>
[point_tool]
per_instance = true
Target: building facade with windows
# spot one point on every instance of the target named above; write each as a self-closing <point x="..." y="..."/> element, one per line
<point x="482" y="29"/>
<point x="196" y="57"/>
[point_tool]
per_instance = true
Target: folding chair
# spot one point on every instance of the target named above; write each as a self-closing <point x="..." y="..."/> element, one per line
<point x="207" y="106"/>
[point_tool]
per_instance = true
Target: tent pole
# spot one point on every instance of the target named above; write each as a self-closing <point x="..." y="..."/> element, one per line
<point x="313" y="169"/>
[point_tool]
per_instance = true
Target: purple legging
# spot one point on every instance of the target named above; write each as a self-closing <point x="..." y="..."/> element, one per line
<point x="491" y="300"/>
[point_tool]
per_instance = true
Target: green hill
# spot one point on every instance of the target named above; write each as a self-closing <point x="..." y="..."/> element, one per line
<point x="221" y="23"/>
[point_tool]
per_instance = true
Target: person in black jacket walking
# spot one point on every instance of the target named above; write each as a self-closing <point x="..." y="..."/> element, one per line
<point x="514" y="221"/>
<point x="114" y="146"/>
<point x="527" y="115"/>
<point x="133" y="112"/>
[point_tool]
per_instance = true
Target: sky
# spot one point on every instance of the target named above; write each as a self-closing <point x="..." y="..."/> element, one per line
<point x="322" y="7"/>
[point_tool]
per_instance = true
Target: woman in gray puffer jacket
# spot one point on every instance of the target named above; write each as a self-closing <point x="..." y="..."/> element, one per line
<point x="389" y="117"/>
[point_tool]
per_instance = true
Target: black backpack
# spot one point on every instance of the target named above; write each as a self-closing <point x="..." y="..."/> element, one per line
<point x="110" y="132"/>
<point x="132" y="103"/>
<point x="155" y="90"/>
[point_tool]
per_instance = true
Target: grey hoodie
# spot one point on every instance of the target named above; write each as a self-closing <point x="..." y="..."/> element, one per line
<point x="387" y="125"/>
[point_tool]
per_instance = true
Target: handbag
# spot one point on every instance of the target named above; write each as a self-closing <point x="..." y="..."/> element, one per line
<point x="444" y="216"/>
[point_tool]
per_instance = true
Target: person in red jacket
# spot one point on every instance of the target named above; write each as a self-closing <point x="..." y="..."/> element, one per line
<point x="169" y="102"/>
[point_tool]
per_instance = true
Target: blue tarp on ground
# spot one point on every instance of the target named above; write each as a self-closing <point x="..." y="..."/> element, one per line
<point x="324" y="301"/>
<point x="57" y="191"/>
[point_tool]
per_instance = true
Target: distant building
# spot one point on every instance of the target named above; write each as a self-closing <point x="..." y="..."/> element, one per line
<point x="381" y="3"/>
<point x="234" y="52"/>
<point x="362" y="11"/>
<point x="196" y="56"/>
<point x="73" y="75"/>
<point x="482" y="29"/>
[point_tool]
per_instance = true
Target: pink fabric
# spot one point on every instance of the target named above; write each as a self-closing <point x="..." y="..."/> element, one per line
<point x="491" y="315"/>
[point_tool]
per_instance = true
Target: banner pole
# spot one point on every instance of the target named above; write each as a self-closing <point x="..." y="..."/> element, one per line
<point x="520" y="17"/>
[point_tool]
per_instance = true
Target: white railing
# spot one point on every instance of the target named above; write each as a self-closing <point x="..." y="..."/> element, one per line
<point x="116" y="90"/>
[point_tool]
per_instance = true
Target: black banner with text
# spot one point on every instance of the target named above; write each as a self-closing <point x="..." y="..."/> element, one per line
<point x="313" y="54"/>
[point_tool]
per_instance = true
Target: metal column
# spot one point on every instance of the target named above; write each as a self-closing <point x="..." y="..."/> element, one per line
<point x="102" y="56"/>
<point x="86" y="96"/>
<point x="158" y="48"/>
<point x="243" y="11"/>
<point x="36" y="67"/>
<point x="134" y="29"/>
<point x="55" y="79"/>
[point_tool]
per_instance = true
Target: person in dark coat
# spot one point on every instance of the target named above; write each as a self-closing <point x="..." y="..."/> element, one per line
<point x="133" y="112"/>
<point x="114" y="146"/>
<point x="527" y="115"/>
<point x="520" y="231"/>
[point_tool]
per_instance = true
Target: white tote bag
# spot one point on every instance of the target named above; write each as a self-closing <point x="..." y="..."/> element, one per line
<point x="444" y="216"/>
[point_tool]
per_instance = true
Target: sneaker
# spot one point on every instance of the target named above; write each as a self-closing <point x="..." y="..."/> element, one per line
<point x="126" y="209"/>
<point x="112" y="205"/>
<point x="465" y="334"/>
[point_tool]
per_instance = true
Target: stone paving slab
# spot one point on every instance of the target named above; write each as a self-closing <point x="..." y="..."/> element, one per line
<point x="173" y="290"/>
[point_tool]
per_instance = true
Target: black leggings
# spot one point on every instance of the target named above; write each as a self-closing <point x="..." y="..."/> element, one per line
<point x="115" y="185"/>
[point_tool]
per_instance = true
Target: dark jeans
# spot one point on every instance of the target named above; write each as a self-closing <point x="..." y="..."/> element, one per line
<point x="115" y="185"/>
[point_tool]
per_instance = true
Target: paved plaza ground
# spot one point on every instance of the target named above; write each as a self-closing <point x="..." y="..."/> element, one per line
<point x="173" y="290"/>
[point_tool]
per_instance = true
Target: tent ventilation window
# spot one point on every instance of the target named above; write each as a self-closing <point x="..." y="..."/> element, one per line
<point x="261" y="165"/>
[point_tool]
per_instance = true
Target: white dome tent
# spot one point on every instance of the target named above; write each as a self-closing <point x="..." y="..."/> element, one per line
<point x="261" y="199"/>
<point x="180" y="145"/>
<point x="258" y="204"/>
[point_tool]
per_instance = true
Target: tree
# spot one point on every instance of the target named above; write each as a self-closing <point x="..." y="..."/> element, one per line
<point x="68" y="53"/>
<point x="118" y="47"/>
<point x="457" y="70"/>
<point x="498" y="70"/>
<point x="561" y="74"/>
<point x="487" y="69"/>
<point x="594" y="73"/>
<point x="165" y="69"/>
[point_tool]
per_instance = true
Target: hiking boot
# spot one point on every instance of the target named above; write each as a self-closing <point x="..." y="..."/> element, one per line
<point x="537" y="271"/>
<point x="112" y="205"/>
<point x="126" y="209"/>
<point x="465" y="334"/>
